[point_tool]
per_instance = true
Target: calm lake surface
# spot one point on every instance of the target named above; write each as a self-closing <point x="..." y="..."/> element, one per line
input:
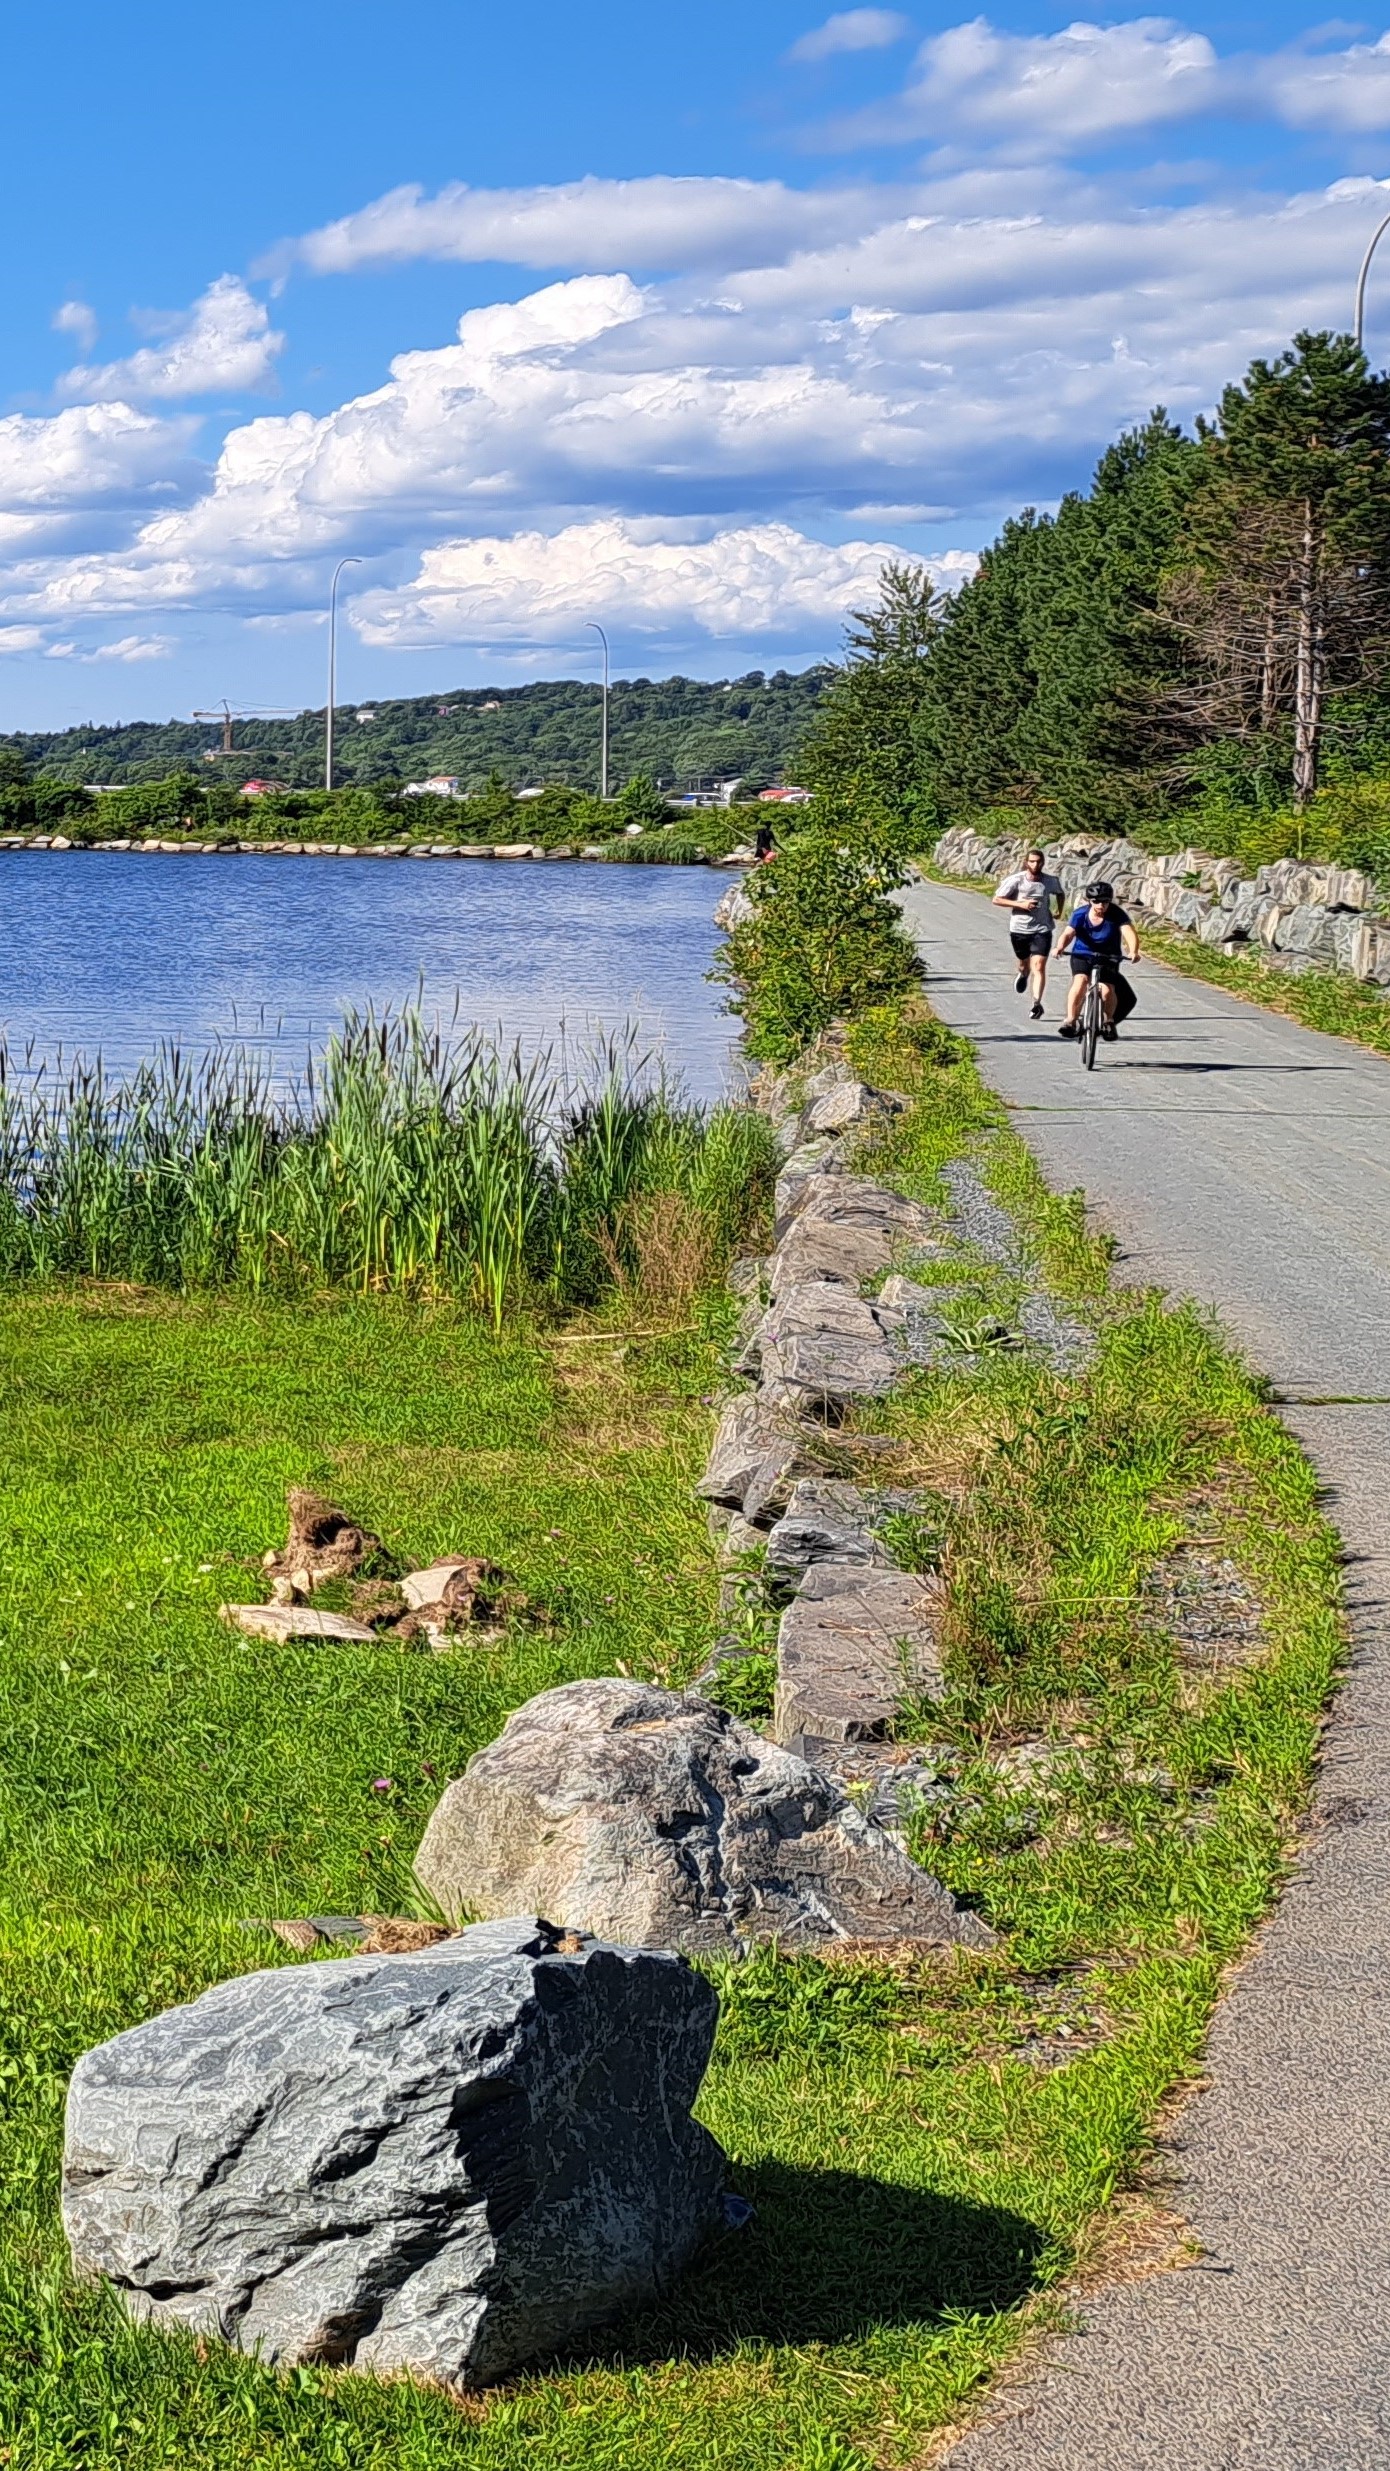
<point x="119" y="953"/>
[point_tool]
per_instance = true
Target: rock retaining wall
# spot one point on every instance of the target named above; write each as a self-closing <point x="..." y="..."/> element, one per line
<point x="1295" y="916"/>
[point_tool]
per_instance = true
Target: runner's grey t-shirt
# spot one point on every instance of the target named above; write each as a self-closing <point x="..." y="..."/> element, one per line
<point x="1040" y="892"/>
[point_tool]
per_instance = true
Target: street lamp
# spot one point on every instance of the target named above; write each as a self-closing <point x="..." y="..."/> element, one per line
<point x="603" y="772"/>
<point x="333" y="667"/>
<point x="1376" y="235"/>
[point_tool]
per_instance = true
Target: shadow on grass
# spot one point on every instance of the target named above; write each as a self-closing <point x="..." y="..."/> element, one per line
<point x="829" y="2257"/>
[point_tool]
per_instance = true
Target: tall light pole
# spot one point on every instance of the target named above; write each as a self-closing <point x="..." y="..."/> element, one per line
<point x="333" y="667"/>
<point x="1376" y="235"/>
<point x="603" y="770"/>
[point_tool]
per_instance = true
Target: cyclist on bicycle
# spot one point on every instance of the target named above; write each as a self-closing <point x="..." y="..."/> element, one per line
<point x="1098" y="935"/>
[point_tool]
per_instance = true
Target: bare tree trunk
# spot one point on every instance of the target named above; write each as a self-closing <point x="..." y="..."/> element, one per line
<point x="1308" y="679"/>
<point x="1269" y="689"/>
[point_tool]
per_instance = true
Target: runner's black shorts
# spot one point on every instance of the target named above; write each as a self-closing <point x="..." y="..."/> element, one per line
<point x="1032" y="947"/>
<point x="1082" y="965"/>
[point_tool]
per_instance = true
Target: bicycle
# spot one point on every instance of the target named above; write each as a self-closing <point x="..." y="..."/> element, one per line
<point x="1092" y="1018"/>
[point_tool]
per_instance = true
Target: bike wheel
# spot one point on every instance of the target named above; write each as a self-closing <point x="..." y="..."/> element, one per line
<point x="1090" y="1025"/>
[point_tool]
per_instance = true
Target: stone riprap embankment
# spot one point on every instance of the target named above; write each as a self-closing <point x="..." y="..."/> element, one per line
<point x="440" y="2165"/>
<point x="152" y="846"/>
<point x="1294" y="916"/>
<point x="861" y="1634"/>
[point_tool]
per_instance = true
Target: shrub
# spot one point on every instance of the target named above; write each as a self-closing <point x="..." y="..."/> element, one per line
<point x="825" y="939"/>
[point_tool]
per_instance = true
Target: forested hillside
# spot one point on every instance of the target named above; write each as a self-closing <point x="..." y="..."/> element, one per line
<point x="1197" y="648"/>
<point x="676" y="731"/>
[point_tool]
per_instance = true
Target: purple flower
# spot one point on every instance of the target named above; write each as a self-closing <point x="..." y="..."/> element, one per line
<point x="383" y="1784"/>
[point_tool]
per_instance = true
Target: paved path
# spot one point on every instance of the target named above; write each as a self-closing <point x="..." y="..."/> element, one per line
<point x="1245" y="1161"/>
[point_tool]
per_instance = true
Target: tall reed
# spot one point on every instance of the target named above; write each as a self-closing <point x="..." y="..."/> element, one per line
<point x="404" y="1157"/>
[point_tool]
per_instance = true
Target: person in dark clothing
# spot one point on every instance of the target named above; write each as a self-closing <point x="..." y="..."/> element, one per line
<point x="1098" y="935"/>
<point x="764" y="843"/>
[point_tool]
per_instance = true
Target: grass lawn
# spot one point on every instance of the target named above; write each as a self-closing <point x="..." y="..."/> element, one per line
<point x="929" y="2146"/>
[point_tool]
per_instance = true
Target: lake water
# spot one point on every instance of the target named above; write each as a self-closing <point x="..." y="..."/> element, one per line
<point x="118" y="953"/>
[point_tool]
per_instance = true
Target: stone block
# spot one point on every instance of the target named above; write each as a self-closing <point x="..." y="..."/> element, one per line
<point x="438" y="2165"/>
<point x="852" y="1645"/>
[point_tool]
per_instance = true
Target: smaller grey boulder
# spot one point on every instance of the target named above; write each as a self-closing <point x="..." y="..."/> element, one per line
<point x="742" y="1443"/>
<point x="821" y="1347"/>
<point x="655" y="1818"/>
<point x="440" y="2164"/>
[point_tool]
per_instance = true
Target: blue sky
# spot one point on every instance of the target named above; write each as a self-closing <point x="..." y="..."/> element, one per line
<point x="676" y="319"/>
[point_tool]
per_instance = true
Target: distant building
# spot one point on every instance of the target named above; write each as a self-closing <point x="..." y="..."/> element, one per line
<point x="364" y="716"/>
<point x="262" y="789"/>
<point x="786" y="797"/>
<point x="530" y="793"/>
<point x="493" y="706"/>
<point x="439" y="785"/>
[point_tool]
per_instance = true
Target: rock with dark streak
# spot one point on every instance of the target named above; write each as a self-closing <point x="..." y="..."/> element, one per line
<point x="440" y="2164"/>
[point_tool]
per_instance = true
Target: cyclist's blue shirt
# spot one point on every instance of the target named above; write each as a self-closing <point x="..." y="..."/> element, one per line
<point x="1098" y="943"/>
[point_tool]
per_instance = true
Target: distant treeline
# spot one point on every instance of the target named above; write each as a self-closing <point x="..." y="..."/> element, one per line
<point x="674" y="731"/>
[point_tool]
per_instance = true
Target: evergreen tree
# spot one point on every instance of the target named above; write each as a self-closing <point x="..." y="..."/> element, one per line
<point x="1284" y="584"/>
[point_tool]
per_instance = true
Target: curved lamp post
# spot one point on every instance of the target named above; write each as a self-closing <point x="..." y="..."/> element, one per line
<point x="603" y="772"/>
<point x="333" y="667"/>
<point x="1376" y="236"/>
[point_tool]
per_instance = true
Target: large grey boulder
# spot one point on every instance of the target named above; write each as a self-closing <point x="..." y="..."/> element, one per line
<point x="655" y="1818"/>
<point x="441" y="2164"/>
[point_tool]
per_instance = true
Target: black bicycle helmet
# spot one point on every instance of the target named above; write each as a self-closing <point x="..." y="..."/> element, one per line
<point x="1100" y="890"/>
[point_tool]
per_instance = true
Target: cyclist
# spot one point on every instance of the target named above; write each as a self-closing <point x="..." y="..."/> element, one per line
<point x="1034" y="899"/>
<point x="1098" y="935"/>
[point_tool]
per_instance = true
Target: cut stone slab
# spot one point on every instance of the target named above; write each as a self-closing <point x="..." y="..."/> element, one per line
<point x="743" y="1441"/>
<point x="852" y="1644"/>
<point x="848" y="1102"/>
<point x="820" y="1347"/>
<point x="851" y="1200"/>
<point x="826" y="1520"/>
<point x="439" y="2164"/>
<point x="654" y="1817"/>
<point x="806" y="1161"/>
<point x="291" y="1621"/>
<point x="816" y="1247"/>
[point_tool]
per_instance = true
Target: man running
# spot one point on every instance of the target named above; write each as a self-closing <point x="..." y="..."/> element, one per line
<point x="1035" y="899"/>
<point x="1098" y="935"/>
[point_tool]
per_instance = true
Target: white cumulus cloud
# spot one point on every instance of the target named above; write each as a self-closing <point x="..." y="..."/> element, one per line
<point x="76" y="319"/>
<point x="18" y="639"/>
<point x="223" y="344"/>
<point x="659" y="224"/>
<point x="851" y="30"/>
<point x="533" y="587"/>
<point x="1049" y="93"/>
<point x="1347" y="89"/>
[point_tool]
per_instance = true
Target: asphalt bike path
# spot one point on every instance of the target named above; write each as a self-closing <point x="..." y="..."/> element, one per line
<point x="1245" y="1161"/>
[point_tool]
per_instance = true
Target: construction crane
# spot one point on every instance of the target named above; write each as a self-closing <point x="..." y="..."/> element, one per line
<point x="227" y="715"/>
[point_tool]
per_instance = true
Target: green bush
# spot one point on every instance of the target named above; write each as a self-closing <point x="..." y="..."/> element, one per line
<point x="824" y="940"/>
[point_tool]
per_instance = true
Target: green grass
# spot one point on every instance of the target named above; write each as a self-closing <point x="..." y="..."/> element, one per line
<point x="920" y="2183"/>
